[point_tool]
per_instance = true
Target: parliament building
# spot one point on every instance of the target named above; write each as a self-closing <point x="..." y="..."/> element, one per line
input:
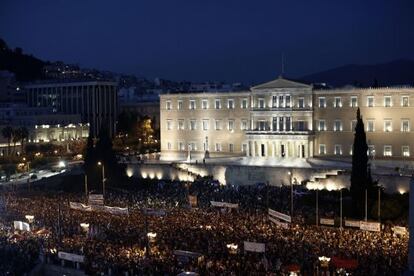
<point x="284" y="118"/>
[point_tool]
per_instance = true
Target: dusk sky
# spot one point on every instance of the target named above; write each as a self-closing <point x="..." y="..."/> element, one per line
<point x="211" y="40"/>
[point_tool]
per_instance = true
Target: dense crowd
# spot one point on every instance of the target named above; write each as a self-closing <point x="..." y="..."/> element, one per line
<point x="118" y="244"/>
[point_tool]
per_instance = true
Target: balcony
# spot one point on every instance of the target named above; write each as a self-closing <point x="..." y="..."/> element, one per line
<point x="280" y="132"/>
<point x="294" y="108"/>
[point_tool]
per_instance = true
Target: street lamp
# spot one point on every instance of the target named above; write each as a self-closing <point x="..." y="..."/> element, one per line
<point x="101" y="164"/>
<point x="85" y="227"/>
<point x="29" y="218"/>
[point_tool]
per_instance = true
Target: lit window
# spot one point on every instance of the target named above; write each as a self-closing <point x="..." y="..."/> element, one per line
<point x="192" y="146"/>
<point x="287" y="101"/>
<point x="217" y="104"/>
<point x="371" y="150"/>
<point x="338" y="150"/>
<point x="322" y="125"/>
<point x="353" y="125"/>
<point x="244" y="148"/>
<point x="204" y="104"/>
<point x="193" y="125"/>
<point x="405" y="151"/>
<point x="169" y="145"/>
<point x="387" y="101"/>
<point x="205" y="124"/>
<point x="387" y="150"/>
<point x="168" y="105"/>
<point x="274" y="101"/>
<point x="281" y="101"/>
<point x="181" y="146"/>
<point x="387" y="125"/>
<point x="231" y="147"/>
<point x="231" y="125"/>
<point x="405" y="101"/>
<point x="301" y="103"/>
<point x="261" y="103"/>
<point x="243" y="125"/>
<point x="337" y="102"/>
<point x="354" y="101"/>
<point x="244" y="104"/>
<point x="370" y="101"/>
<point x="230" y="104"/>
<point x="218" y="147"/>
<point x="322" y="102"/>
<point x="217" y="125"/>
<point x="370" y="125"/>
<point x="169" y="124"/>
<point x="180" y="105"/>
<point x="337" y="125"/>
<point x="192" y="104"/>
<point x="181" y="124"/>
<point x="405" y="125"/>
<point x="322" y="149"/>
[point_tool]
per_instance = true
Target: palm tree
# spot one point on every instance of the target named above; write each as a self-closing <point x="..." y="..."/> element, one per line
<point x="24" y="132"/>
<point x="7" y="133"/>
<point x="17" y="134"/>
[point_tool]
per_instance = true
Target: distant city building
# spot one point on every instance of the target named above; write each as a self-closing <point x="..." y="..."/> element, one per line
<point x="95" y="101"/>
<point x="10" y="91"/>
<point x="284" y="118"/>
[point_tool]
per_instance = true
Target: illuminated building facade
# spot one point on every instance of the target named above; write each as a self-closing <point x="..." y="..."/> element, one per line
<point x="283" y="118"/>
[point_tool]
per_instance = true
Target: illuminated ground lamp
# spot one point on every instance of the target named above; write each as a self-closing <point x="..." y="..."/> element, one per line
<point x="232" y="248"/>
<point x="151" y="236"/>
<point x="30" y="218"/>
<point x="85" y="227"/>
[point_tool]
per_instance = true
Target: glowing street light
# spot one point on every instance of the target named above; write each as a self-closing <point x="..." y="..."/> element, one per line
<point x="30" y="218"/>
<point x="100" y="164"/>
<point x="85" y="227"/>
<point x="61" y="164"/>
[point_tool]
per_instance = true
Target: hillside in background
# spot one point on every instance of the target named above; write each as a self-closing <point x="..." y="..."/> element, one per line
<point x="398" y="72"/>
<point x="25" y="67"/>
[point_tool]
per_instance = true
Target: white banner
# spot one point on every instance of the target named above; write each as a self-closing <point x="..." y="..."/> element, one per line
<point x="154" y="212"/>
<point x="352" y="223"/>
<point x="80" y="206"/>
<point x="71" y="257"/>
<point x="254" y="246"/>
<point x="116" y="210"/>
<point x="284" y="225"/>
<point x="224" y="204"/>
<point x="370" y="226"/>
<point x="325" y="221"/>
<point x="96" y="199"/>
<point x="20" y="225"/>
<point x="278" y="215"/>
<point x="399" y="230"/>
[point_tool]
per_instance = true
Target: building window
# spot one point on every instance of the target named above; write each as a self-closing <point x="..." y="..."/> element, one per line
<point x="370" y="101"/>
<point x="217" y="125"/>
<point x="205" y="124"/>
<point x="322" y="149"/>
<point x="405" y="101"/>
<point x="370" y="125"/>
<point x="274" y="101"/>
<point x="231" y="147"/>
<point x="181" y="124"/>
<point x="244" y="148"/>
<point x="180" y="105"/>
<point x="204" y="104"/>
<point x="387" y="150"/>
<point x="230" y="104"/>
<point x="168" y="105"/>
<point x="301" y="103"/>
<point x="281" y="101"/>
<point x="244" y="104"/>
<point x="405" y="151"/>
<point x="371" y="150"/>
<point x="337" y="125"/>
<point x="353" y="125"/>
<point x="338" y="150"/>
<point x="287" y="101"/>
<point x="218" y="147"/>
<point x="169" y="145"/>
<point x="193" y="125"/>
<point x="337" y="102"/>
<point x="354" y="101"/>
<point x="192" y="104"/>
<point x="192" y="146"/>
<point x="169" y="124"/>
<point x="387" y="125"/>
<point x="322" y="125"/>
<point x="322" y="102"/>
<point x="262" y="125"/>
<point x="231" y="125"/>
<point x="405" y="125"/>
<point x="301" y="125"/>
<point x="261" y="103"/>
<point x="181" y="146"/>
<point x="217" y="104"/>
<point x="243" y="125"/>
<point x="387" y="101"/>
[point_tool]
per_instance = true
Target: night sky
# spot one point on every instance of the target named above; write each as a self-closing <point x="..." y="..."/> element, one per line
<point x="211" y="40"/>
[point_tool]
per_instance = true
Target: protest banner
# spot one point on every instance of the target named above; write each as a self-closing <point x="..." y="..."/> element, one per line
<point x="71" y="257"/>
<point x="370" y="226"/>
<point x="279" y="215"/>
<point x="326" y="221"/>
<point x="96" y="199"/>
<point x="279" y="223"/>
<point x="80" y="206"/>
<point x="352" y="223"/>
<point x="224" y="204"/>
<point x="20" y="225"/>
<point x="399" y="230"/>
<point x="254" y="247"/>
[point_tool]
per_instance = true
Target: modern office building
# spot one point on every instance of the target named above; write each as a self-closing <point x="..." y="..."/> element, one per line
<point x="95" y="101"/>
<point x="283" y="118"/>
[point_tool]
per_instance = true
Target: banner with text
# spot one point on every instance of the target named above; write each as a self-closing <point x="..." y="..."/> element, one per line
<point x="326" y="221"/>
<point x="278" y="215"/>
<point x="80" y="206"/>
<point x="71" y="257"/>
<point x="370" y="226"/>
<point x="399" y="230"/>
<point x="279" y="223"/>
<point x="254" y="247"/>
<point x="224" y="204"/>
<point x="352" y="223"/>
<point x="22" y="226"/>
<point x="96" y="199"/>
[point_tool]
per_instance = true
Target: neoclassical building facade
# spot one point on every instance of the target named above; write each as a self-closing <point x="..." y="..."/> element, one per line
<point x="284" y="118"/>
